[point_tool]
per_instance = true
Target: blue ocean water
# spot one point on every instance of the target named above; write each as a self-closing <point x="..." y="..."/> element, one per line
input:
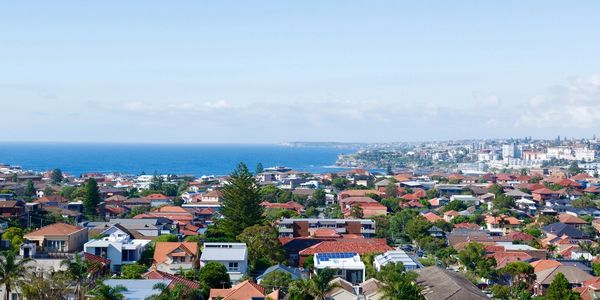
<point x="195" y="159"/>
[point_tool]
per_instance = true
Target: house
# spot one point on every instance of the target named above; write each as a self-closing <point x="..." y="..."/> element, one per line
<point x="243" y="290"/>
<point x="431" y="217"/>
<point x="234" y="256"/>
<point x="395" y="256"/>
<point x="439" y="283"/>
<point x="214" y="196"/>
<point x="145" y="229"/>
<point x="436" y="232"/>
<point x="360" y="246"/>
<point x="562" y="229"/>
<point x="438" y="202"/>
<point x="572" y="220"/>
<point x="12" y="208"/>
<point x="290" y="205"/>
<point x="544" y="194"/>
<point x="58" y="237"/>
<point x="574" y="275"/>
<point x="118" y="246"/>
<point x="358" y="193"/>
<point x="295" y="273"/>
<point x="179" y="215"/>
<point x="347" y="265"/>
<point x="175" y="280"/>
<point x="306" y="227"/>
<point x="157" y="200"/>
<point x="344" y="290"/>
<point x="171" y="257"/>
<point x="502" y="224"/>
<point x="467" y="199"/>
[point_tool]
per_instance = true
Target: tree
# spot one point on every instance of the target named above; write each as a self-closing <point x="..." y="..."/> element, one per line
<point x="262" y="242"/>
<point x="29" y="190"/>
<point x="583" y="202"/>
<point x="78" y="270"/>
<point x="91" y="199"/>
<point x="522" y="274"/>
<point x="417" y="228"/>
<point x="391" y="190"/>
<point x="15" y="236"/>
<point x="48" y="191"/>
<point x="105" y="292"/>
<point x="574" y="168"/>
<point x="340" y="183"/>
<point x="596" y="269"/>
<point x="259" y="168"/>
<point x="356" y="211"/>
<point x="11" y="270"/>
<point x="241" y="202"/>
<point x="389" y="170"/>
<point x="432" y="193"/>
<point x="320" y="284"/>
<point x="396" y="283"/>
<point x="167" y="238"/>
<point x="456" y="205"/>
<point x="560" y="289"/>
<point x="318" y="197"/>
<point x="39" y="286"/>
<point x="179" y="291"/>
<point x="276" y="280"/>
<point x="496" y="189"/>
<point x="503" y="202"/>
<point x="213" y="275"/>
<point x="474" y="260"/>
<point x="133" y="271"/>
<point x="56" y="176"/>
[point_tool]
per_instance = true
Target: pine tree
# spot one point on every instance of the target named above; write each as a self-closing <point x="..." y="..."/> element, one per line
<point x="259" y="168"/>
<point x="56" y="177"/>
<point x="91" y="198"/>
<point x="241" y="202"/>
<point x="29" y="190"/>
<point x="560" y="289"/>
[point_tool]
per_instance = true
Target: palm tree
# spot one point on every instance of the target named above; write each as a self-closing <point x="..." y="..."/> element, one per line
<point x="105" y="292"/>
<point x="178" y="292"/>
<point x="317" y="287"/>
<point x="320" y="284"/>
<point x="11" y="271"/>
<point x="78" y="270"/>
<point x="397" y="283"/>
<point x="41" y="286"/>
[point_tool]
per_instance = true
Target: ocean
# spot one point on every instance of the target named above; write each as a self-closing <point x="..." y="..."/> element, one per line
<point x="194" y="159"/>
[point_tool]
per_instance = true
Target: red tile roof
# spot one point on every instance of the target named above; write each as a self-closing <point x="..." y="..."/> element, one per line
<point x="360" y="246"/>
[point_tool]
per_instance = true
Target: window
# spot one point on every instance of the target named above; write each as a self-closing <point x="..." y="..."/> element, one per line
<point x="128" y="255"/>
<point x="100" y="251"/>
<point x="55" y="246"/>
<point x="233" y="266"/>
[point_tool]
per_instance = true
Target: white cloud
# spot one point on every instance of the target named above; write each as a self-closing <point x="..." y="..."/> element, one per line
<point x="573" y="105"/>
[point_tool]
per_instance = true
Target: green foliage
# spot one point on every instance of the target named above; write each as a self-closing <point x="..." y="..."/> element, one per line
<point x="311" y="211"/>
<point x="45" y="286"/>
<point x="273" y="214"/>
<point x="501" y="291"/>
<point x="15" y="236"/>
<point x="446" y="255"/>
<point x="105" y="292"/>
<point x="391" y="190"/>
<point x="583" y="202"/>
<point x="309" y="262"/>
<point x="193" y="238"/>
<point x="259" y="168"/>
<point x="496" y="189"/>
<point x="574" y="168"/>
<point x="241" y="202"/>
<point x="91" y="198"/>
<point x="356" y="211"/>
<point x="432" y="193"/>
<point x="472" y="257"/>
<point x="431" y="245"/>
<point x="417" y="228"/>
<point x="397" y="283"/>
<point x="560" y="289"/>
<point x="262" y="242"/>
<point x="213" y="275"/>
<point x="534" y="230"/>
<point x="179" y="291"/>
<point x="503" y="202"/>
<point x="29" y="190"/>
<point x="49" y="191"/>
<point x="398" y="222"/>
<point x="12" y="271"/>
<point x="456" y="205"/>
<point x="133" y="271"/>
<point x="276" y="280"/>
<point x="340" y="183"/>
<point x="167" y="238"/>
<point x="56" y="176"/>
<point x="318" y="196"/>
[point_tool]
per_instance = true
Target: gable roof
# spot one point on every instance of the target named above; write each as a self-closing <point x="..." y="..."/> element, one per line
<point x="155" y="274"/>
<point x="295" y="272"/>
<point x="163" y="249"/>
<point x="54" y="229"/>
<point x="243" y="290"/>
<point x="561" y="229"/>
<point x="570" y="219"/>
<point x="360" y="246"/>
<point x="543" y="264"/>
<point x="440" y="283"/>
<point x="573" y="274"/>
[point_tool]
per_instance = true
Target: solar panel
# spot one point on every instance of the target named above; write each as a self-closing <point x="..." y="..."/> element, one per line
<point x="338" y="255"/>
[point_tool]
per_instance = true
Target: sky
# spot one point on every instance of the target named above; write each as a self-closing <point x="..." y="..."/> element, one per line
<point x="275" y="71"/>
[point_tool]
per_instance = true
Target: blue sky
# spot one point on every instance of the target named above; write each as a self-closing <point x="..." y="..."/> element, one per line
<point x="270" y="71"/>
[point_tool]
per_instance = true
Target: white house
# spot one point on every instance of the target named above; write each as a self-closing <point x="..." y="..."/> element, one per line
<point x="395" y="256"/>
<point x="117" y="246"/>
<point x="234" y="256"/>
<point x="347" y="265"/>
